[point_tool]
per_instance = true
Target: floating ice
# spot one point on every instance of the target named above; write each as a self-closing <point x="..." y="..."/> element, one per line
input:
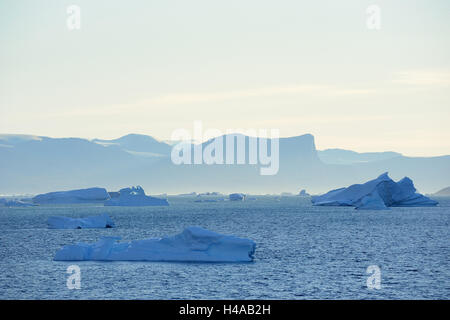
<point x="209" y="197"/>
<point x="89" y="195"/>
<point x="237" y="197"/>
<point x="379" y="193"/>
<point x="135" y="197"/>
<point x="102" y="221"/>
<point x="372" y="201"/>
<point x="194" y="244"/>
<point x="303" y="193"/>
<point x="18" y="203"/>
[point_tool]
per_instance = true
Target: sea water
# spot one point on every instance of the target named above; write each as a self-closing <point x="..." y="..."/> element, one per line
<point x="303" y="252"/>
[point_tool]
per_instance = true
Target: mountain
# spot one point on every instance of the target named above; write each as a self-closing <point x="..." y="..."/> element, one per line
<point x="341" y="156"/>
<point x="138" y="144"/>
<point x="36" y="164"/>
<point x="443" y="192"/>
<point x="45" y="164"/>
<point x="11" y="140"/>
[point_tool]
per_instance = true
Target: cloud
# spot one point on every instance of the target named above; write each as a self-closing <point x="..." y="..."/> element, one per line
<point x="437" y="78"/>
<point x="177" y="99"/>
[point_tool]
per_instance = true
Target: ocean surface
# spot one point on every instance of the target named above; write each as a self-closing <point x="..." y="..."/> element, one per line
<point x="303" y="252"/>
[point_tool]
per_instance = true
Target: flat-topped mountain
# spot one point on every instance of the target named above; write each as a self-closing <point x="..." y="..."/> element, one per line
<point x="37" y="164"/>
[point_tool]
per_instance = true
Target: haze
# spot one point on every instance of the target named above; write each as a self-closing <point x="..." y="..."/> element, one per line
<point x="151" y="67"/>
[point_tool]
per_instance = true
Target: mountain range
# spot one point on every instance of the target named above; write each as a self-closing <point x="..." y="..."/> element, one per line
<point x="36" y="164"/>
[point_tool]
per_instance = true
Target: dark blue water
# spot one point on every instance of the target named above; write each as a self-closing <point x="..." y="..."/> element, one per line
<point x="303" y="252"/>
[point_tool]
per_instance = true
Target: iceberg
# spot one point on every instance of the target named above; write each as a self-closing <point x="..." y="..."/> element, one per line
<point x="237" y="197"/>
<point x="209" y="197"/>
<point x="135" y="197"/>
<point x="372" y="201"/>
<point x="192" y="194"/>
<point x="18" y="203"/>
<point x="376" y="194"/>
<point x="90" y="195"/>
<point x="303" y="193"/>
<point x="113" y="194"/>
<point x="209" y="194"/>
<point x="194" y="244"/>
<point x="102" y="221"/>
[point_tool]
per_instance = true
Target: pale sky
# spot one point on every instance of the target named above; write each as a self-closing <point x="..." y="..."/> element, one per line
<point x="152" y="67"/>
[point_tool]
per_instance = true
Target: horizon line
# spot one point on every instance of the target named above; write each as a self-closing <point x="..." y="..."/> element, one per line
<point x="167" y="141"/>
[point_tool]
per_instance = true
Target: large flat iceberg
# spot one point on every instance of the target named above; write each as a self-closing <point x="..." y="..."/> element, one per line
<point x="18" y="203"/>
<point x="379" y="193"/>
<point x="135" y="197"/>
<point x="90" y="195"/>
<point x="194" y="244"/>
<point x="102" y="221"/>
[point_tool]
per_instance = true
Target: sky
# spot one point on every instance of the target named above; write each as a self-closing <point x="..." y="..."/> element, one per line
<point x="152" y="67"/>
